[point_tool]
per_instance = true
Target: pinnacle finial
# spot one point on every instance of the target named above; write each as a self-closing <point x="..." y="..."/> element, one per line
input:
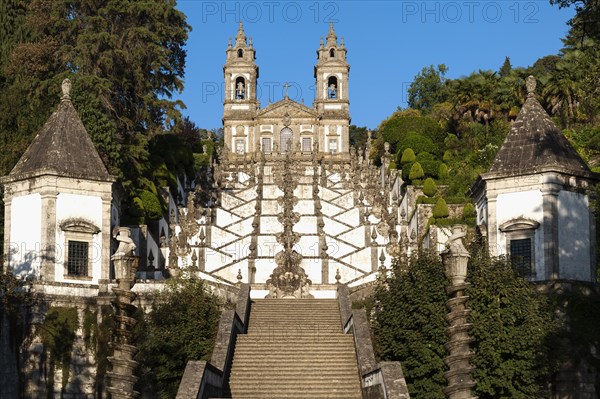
<point x="530" y="84"/>
<point x="331" y="36"/>
<point x="66" y="89"/>
<point x="241" y="35"/>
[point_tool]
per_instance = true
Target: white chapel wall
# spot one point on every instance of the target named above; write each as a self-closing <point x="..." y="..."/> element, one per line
<point x="75" y="206"/>
<point x="25" y="235"/>
<point x="574" y="236"/>
<point x="528" y="205"/>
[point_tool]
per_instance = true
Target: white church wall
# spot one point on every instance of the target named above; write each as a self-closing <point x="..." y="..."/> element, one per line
<point x="25" y="235"/>
<point x="574" y="236"/>
<point x="88" y="208"/>
<point x="528" y="205"/>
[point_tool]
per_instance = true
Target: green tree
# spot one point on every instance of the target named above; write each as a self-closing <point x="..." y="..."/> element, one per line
<point x="407" y="122"/>
<point x="409" y="323"/>
<point x="127" y="55"/>
<point x="428" y="88"/>
<point x="358" y="136"/>
<point x="505" y="68"/>
<point x="181" y="326"/>
<point x="513" y="330"/>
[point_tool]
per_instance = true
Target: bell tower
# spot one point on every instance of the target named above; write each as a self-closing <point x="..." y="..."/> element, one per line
<point x="240" y="102"/>
<point x="331" y="93"/>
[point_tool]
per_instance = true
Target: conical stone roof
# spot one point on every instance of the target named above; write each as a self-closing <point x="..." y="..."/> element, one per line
<point x="62" y="147"/>
<point x="534" y="143"/>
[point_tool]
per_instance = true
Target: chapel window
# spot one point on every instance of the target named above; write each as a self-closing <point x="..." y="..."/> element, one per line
<point x="520" y="255"/>
<point x="240" y="53"/>
<point x="77" y="258"/>
<point x="266" y="145"/>
<point x="306" y="144"/>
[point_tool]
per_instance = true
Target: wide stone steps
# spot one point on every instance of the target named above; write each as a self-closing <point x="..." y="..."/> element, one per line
<point x="294" y="349"/>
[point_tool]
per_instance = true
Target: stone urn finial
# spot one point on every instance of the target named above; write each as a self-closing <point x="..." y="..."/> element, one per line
<point x="530" y="84"/>
<point x="456" y="256"/>
<point x="66" y="89"/>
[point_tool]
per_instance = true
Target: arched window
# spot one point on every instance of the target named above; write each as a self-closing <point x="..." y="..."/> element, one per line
<point x="240" y="88"/>
<point x="285" y="139"/>
<point x="332" y="87"/>
<point x="240" y="53"/>
<point x="332" y="53"/>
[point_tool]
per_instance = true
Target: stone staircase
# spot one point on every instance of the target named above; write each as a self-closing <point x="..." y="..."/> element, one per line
<point x="295" y="348"/>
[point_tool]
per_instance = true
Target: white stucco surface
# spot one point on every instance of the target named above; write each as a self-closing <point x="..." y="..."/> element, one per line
<point x="88" y="208"/>
<point x="25" y="235"/>
<point x="574" y="236"/>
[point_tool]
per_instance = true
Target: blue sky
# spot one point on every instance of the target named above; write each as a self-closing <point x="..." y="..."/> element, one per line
<point x="388" y="43"/>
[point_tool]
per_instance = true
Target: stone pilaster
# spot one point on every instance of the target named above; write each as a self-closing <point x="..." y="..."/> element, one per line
<point x="7" y="224"/>
<point x="48" y="236"/>
<point x="551" y="244"/>
<point x="106" y="233"/>
<point x="492" y="228"/>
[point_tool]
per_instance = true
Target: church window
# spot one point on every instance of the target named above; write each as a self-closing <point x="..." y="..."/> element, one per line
<point x="332" y="87"/>
<point x="77" y="258"/>
<point x="331" y="53"/>
<point x="520" y="238"/>
<point x="520" y="255"/>
<point x="240" y="146"/>
<point x="306" y="144"/>
<point x="240" y="53"/>
<point x="333" y="145"/>
<point x="79" y="246"/>
<point x="240" y="88"/>
<point x="285" y="143"/>
<point x="266" y="145"/>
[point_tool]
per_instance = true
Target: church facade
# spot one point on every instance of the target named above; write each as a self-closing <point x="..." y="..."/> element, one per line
<point x="286" y="125"/>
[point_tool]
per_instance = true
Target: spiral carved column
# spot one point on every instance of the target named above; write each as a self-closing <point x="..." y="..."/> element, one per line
<point x="121" y="377"/>
<point x="459" y="379"/>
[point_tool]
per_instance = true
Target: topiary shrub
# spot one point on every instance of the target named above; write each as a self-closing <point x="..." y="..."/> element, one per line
<point x="429" y="164"/>
<point x="136" y="210"/>
<point x="408" y="156"/>
<point x="429" y="187"/>
<point x="443" y="171"/>
<point x="469" y="211"/>
<point x="440" y="209"/>
<point x="152" y="207"/>
<point x="416" y="171"/>
<point x="417" y="142"/>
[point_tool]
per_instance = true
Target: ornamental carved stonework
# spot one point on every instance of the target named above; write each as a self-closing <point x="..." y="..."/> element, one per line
<point x="288" y="279"/>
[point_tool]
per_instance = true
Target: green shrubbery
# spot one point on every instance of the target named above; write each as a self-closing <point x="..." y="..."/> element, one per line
<point x="181" y="326"/>
<point x="512" y="327"/>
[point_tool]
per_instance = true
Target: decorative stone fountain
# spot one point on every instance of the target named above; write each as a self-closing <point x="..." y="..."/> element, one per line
<point x="288" y="280"/>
